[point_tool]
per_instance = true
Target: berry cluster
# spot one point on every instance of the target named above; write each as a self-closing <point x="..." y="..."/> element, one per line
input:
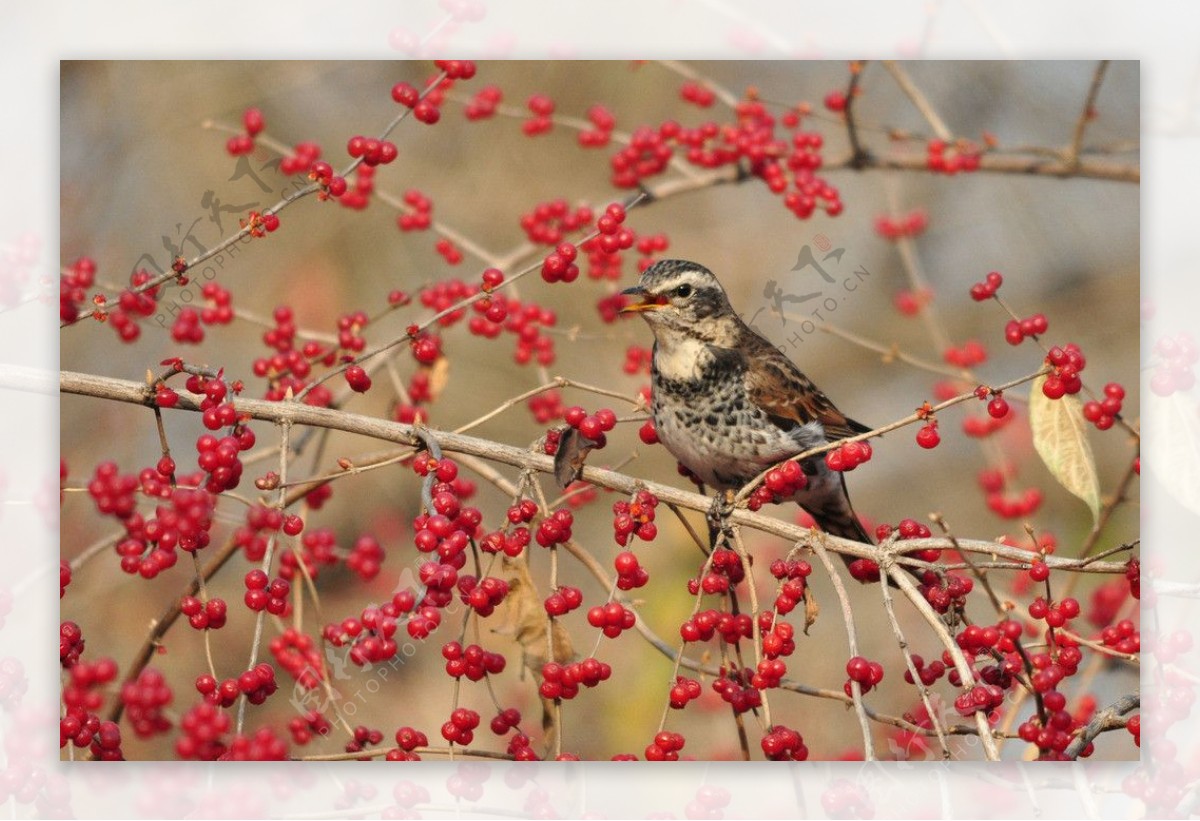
<point x="541" y="109"/>
<point x="563" y="601"/>
<point x="866" y="673"/>
<point x="483" y="105"/>
<point x="1031" y="327"/>
<point x="259" y="225"/>
<point x="634" y="517"/>
<point x="705" y="624"/>
<point x="665" y="747"/>
<point x="972" y="353"/>
<point x="697" y="94"/>
<point x="912" y="224"/>
<point x="951" y="159"/>
<point x="204" y="615"/>
<point x="1103" y="413"/>
<point x="563" y="680"/>
<point x="370" y="635"/>
<point x="255" y="684"/>
<point x="848" y="456"/>
<point x="630" y="574"/>
<point x="736" y="688"/>
<point x="612" y="618"/>
<point x="928" y="673"/>
<point x="987" y="289"/>
<point x="133" y="304"/>
<point x="603" y="122"/>
<point x="555" y="529"/>
<point x="1054" y="613"/>
<point x="262" y="745"/>
<point x="506" y="720"/>
<point x="1122" y="637"/>
<point x="303" y="727"/>
<point x="460" y="729"/>
<point x="372" y="151"/>
<point x="201" y="733"/>
<point x="264" y="593"/>
<point x="725" y="571"/>
<point x="361" y="739"/>
<point x="1067" y="362"/>
<point x="407" y="741"/>
<point x="144" y="699"/>
<point x="945" y="593"/>
<point x="482" y="595"/>
<point x="303" y="159"/>
<point x="82" y="696"/>
<point x="418" y="214"/>
<point x="261" y="521"/>
<point x="74" y="283"/>
<point x="910" y="303"/>
<point x="792" y="574"/>
<point x="243" y="143"/>
<point x="297" y="654"/>
<point x="472" y="661"/>
<point x="783" y="744"/>
<point x="1054" y="736"/>
<point x="684" y="690"/>
<point x="781" y="483"/>
<point x="70" y="644"/>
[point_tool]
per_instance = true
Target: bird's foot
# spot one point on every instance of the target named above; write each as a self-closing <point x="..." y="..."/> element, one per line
<point x="718" y="516"/>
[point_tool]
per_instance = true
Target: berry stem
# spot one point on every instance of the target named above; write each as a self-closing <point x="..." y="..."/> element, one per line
<point x="835" y="577"/>
<point x="285" y="432"/>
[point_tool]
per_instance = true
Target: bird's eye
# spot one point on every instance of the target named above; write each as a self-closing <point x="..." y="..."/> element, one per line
<point x="683" y="291"/>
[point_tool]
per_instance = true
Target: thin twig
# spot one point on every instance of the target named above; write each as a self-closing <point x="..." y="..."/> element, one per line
<point x="1071" y="156"/>
<point x="852" y="640"/>
<point x="1110" y="718"/>
<point x="919" y="100"/>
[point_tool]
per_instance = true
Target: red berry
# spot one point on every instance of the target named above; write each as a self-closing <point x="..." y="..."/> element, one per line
<point x="928" y="437"/>
<point x="358" y="379"/>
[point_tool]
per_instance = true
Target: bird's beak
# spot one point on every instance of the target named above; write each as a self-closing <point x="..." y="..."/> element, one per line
<point x="649" y="302"/>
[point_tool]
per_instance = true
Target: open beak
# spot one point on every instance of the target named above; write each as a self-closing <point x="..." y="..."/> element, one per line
<point x="649" y="302"/>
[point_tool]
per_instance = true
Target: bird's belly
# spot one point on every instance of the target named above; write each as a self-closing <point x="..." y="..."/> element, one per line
<point x="727" y="447"/>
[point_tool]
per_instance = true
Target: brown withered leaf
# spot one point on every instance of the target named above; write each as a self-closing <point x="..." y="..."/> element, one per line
<point x="573" y="448"/>
<point x="439" y="375"/>
<point x="811" y="609"/>
<point x="526" y="621"/>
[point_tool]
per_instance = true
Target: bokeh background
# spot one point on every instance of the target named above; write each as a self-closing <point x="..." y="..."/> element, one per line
<point x="140" y="162"/>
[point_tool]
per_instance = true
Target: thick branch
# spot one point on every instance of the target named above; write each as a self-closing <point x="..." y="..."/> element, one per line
<point x="121" y="390"/>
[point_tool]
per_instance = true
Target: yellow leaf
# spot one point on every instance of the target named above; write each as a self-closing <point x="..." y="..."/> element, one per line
<point x="1060" y="438"/>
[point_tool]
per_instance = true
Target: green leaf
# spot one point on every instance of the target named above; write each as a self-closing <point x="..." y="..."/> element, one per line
<point x="1060" y="438"/>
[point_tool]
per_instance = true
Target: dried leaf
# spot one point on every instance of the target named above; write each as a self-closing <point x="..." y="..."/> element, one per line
<point x="1173" y="446"/>
<point x="1060" y="438"/>
<point x="811" y="609"/>
<point x="573" y="448"/>
<point x="526" y="620"/>
<point x="439" y="375"/>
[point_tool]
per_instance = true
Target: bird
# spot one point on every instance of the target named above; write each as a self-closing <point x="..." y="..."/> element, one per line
<point x="727" y="403"/>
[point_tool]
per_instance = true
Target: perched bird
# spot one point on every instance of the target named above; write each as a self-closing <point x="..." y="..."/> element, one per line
<point x="727" y="403"/>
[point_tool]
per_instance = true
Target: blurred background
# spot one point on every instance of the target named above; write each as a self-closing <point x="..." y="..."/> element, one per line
<point x="140" y="172"/>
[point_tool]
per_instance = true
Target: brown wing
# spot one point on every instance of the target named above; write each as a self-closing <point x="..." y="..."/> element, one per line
<point x="778" y="387"/>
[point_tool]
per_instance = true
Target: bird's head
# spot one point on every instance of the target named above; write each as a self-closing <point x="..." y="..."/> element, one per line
<point x="677" y="296"/>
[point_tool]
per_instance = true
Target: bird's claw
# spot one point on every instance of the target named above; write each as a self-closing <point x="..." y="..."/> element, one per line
<point x="718" y="515"/>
